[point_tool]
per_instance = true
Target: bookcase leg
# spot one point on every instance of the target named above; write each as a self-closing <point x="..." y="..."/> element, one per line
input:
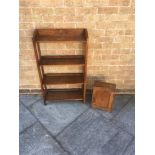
<point x="84" y="94"/>
<point x="44" y="98"/>
<point x="83" y="101"/>
<point x="45" y="102"/>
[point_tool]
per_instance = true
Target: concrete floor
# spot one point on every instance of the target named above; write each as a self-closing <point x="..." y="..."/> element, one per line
<point x="74" y="128"/>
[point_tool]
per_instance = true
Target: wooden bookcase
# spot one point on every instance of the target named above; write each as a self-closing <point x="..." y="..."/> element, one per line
<point x="60" y="35"/>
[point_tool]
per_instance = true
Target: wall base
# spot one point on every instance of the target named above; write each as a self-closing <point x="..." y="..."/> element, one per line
<point x="89" y="91"/>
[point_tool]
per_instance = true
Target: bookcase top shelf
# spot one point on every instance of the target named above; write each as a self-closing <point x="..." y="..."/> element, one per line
<point x="46" y="35"/>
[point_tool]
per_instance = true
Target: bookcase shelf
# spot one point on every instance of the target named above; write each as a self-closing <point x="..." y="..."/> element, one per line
<point x="63" y="78"/>
<point x="64" y="94"/>
<point x="62" y="60"/>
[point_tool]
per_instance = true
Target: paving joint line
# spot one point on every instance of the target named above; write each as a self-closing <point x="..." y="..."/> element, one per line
<point x="127" y="102"/>
<point x="71" y="122"/>
<point x="111" y="119"/>
<point x="32" y="102"/>
<point x="122" y="129"/>
<point x="111" y="138"/>
<point x="133" y="138"/>
<point x="116" y="126"/>
<point x="58" y="142"/>
<point x="54" y="137"/>
<point x="28" y="127"/>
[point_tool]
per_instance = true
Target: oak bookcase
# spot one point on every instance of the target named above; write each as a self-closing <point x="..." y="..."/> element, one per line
<point x="61" y="35"/>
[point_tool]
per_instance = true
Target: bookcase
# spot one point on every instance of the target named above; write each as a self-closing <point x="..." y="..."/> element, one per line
<point x="61" y="35"/>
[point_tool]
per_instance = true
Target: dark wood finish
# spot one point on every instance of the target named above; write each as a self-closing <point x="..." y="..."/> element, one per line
<point x="39" y="71"/>
<point x="63" y="78"/>
<point x="60" y="35"/>
<point x="62" y="60"/>
<point x="85" y="67"/>
<point x="47" y="35"/>
<point x="41" y="67"/>
<point x="65" y="94"/>
<point x="106" y="85"/>
<point x="103" y="94"/>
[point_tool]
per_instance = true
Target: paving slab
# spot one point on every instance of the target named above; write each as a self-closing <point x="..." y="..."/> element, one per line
<point x="117" y="145"/>
<point x="131" y="149"/>
<point x="37" y="141"/>
<point x="88" y="134"/>
<point x="26" y="119"/>
<point x="119" y="102"/>
<point x="126" y="118"/>
<point x="28" y="100"/>
<point x="57" y="115"/>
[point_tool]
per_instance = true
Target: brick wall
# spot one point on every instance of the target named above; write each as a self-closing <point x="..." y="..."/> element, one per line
<point x="110" y="25"/>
